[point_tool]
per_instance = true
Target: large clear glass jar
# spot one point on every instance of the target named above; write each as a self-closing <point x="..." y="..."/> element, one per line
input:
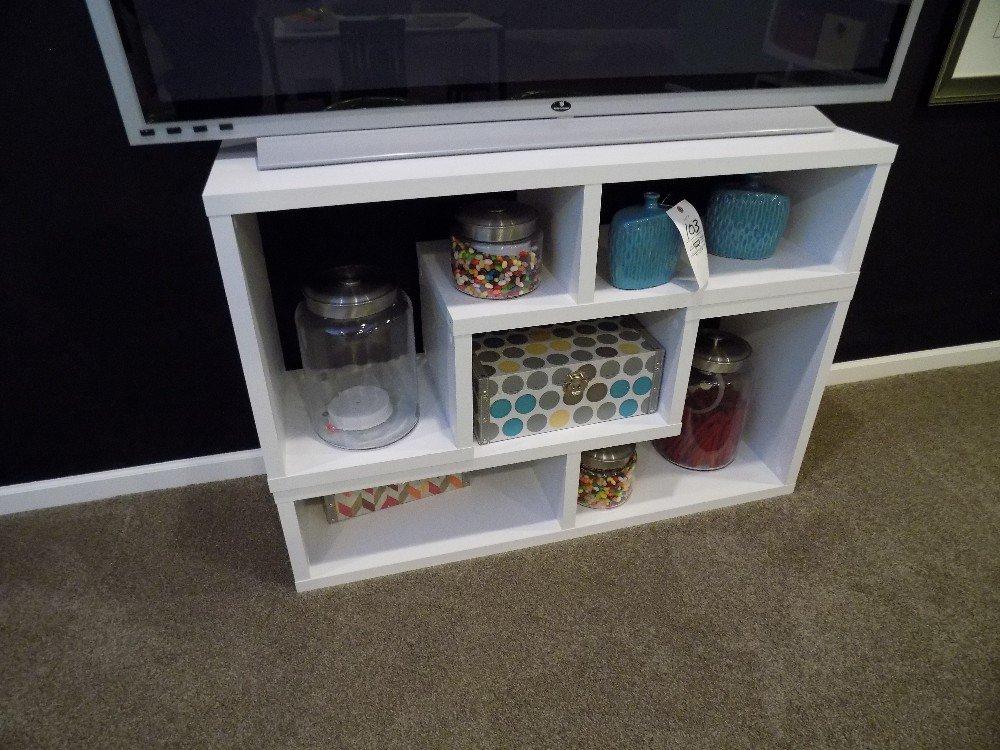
<point x="715" y="411"/>
<point x="358" y="358"/>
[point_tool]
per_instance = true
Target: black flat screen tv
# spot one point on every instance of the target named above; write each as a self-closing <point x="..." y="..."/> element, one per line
<point x="195" y="70"/>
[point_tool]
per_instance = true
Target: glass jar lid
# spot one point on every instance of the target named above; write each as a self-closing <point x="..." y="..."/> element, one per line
<point x="497" y="221"/>
<point x="720" y="352"/>
<point x="349" y="292"/>
<point x="616" y="457"/>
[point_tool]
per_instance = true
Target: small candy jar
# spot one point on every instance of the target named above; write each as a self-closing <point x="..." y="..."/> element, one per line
<point x="716" y="406"/>
<point x="746" y="222"/>
<point x="606" y="477"/>
<point x="642" y="245"/>
<point x="496" y="249"/>
<point x="358" y="358"/>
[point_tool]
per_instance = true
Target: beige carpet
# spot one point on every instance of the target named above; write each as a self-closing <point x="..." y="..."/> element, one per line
<point x="862" y="611"/>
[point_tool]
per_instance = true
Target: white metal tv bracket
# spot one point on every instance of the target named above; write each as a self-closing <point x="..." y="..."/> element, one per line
<point x="349" y="146"/>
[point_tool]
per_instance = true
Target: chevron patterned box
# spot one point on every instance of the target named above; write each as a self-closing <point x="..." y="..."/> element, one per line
<point x="359" y="502"/>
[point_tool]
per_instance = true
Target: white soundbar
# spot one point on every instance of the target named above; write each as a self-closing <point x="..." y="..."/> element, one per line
<point x="350" y="146"/>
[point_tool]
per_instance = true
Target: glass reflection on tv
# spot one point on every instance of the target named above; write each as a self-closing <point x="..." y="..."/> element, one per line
<point x="226" y="58"/>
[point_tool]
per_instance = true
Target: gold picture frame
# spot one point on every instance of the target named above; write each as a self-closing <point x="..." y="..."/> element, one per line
<point x="952" y="89"/>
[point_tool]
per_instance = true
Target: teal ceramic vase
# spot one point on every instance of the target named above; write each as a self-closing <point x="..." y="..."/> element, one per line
<point x="643" y="246"/>
<point x="746" y="222"/>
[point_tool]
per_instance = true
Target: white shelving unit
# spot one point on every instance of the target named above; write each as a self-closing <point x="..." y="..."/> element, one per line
<point x="523" y="491"/>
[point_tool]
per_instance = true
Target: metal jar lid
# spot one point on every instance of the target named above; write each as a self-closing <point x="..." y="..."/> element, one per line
<point x="497" y="221"/>
<point x="616" y="457"/>
<point x="720" y="352"/>
<point x="349" y="292"/>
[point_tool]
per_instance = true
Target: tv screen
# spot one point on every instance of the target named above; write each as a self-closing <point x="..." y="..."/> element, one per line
<point x="215" y="63"/>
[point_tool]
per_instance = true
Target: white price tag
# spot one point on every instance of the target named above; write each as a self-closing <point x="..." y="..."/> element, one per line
<point x="692" y="231"/>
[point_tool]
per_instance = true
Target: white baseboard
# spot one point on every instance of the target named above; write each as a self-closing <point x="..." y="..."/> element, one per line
<point x="83" y="488"/>
<point x="86" y="487"/>
<point x="902" y="364"/>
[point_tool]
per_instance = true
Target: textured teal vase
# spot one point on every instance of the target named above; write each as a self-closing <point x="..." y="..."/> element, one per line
<point x="746" y="222"/>
<point x="643" y="246"/>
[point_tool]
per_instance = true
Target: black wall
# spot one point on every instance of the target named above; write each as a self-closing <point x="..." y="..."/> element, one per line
<point x="932" y="270"/>
<point x="115" y="340"/>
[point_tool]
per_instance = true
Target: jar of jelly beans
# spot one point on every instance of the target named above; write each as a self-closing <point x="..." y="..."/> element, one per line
<point x="606" y="477"/>
<point x="715" y="410"/>
<point x="496" y="249"/>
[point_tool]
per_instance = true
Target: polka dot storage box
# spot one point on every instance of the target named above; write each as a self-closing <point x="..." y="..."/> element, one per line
<point x="562" y="376"/>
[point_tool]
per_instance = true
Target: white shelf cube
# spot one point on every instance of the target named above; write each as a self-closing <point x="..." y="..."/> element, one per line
<point x="523" y="491"/>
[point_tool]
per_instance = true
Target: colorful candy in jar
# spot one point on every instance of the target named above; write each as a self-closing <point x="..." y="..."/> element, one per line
<point x="606" y="477"/>
<point x="709" y="438"/>
<point x="493" y="276"/>
<point x="496" y="250"/>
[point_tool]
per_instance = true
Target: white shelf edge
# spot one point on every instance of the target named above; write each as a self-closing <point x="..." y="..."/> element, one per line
<point x="676" y="510"/>
<point x="320" y="576"/>
<point x="503" y="509"/>
<point x="333" y="466"/>
<point x="468" y="316"/>
<point x="236" y="186"/>
<point x="635" y="429"/>
<point x="663" y="490"/>
<point x="760" y="483"/>
<point x="494" y="455"/>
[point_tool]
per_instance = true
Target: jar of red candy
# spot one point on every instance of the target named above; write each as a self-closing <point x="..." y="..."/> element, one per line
<point x="715" y="410"/>
<point x="496" y="249"/>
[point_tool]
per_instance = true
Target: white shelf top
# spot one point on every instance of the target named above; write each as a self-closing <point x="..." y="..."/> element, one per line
<point x="549" y="303"/>
<point x="662" y="490"/>
<point x="506" y="509"/>
<point x="313" y="468"/>
<point x="579" y="438"/>
<point x="502" y="509"/>
<point x="789" y="271"/>
<point x="310" y="462"/>
<point x="236" y="186"/>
